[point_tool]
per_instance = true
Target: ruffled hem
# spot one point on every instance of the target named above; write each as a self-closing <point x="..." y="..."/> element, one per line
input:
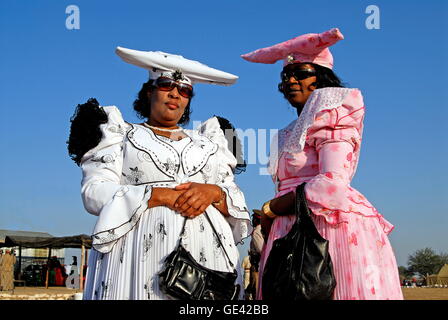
<point x="334" y="200"/>
<point x="335" y="217"/>
<point x="336" y="195"/>
<point x="239" y="217"/>
<point x="104" y="240"/>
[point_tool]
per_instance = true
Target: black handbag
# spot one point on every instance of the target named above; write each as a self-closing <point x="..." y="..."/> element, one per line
<point x="299" y="265"/>
<point x="185" y="279"/>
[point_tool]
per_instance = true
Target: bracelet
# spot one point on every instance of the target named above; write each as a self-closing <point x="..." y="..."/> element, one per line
<point x="221" y="200"/>
<point x="267" y="210"/>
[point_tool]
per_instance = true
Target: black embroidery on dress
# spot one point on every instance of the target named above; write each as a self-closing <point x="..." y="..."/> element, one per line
<point x="123" y="243"/>
<point x="134" y="176"/>
<point x="105" y="287"/>
<point x="206" y="155"/>
<point x="201" y="226"/>
<point x="161" y="230"/>
<point x="108" y="158"/>
<point x="202" y="256"/>
<point x="116" y="129"/>
<point x="158" y="163"/>
<point x="150" y="285"/>
<point x="170" y="165"/>
<point x="147" y="244"/>
<point x="205" y="171"/>
<point x="216" y="243"/>
<point x="148" y="293"/>
<point x="205" y="177"/>
<point x="222" y="176"/>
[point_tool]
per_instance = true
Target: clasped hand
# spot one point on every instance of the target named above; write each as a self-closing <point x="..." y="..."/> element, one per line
<point x="193" y="198"/>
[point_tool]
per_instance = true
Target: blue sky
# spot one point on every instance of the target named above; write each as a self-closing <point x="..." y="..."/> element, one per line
<point x="401" y="68"/>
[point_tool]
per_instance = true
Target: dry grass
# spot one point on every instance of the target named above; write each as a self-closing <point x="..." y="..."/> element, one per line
<point x="61" y="293"/>
<point x="38" y="293"/>
<point x="425" y="293"/>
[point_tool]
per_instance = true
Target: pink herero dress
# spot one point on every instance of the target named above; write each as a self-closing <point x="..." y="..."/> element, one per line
<point x="322" y="149"/>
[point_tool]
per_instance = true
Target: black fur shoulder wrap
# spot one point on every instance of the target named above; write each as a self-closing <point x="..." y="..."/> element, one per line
<point x="235" y="143"/>
<point x="85" y="132"/>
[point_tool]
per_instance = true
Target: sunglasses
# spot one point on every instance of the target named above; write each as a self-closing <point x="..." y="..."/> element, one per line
<point x="298" y="74"/>
<point x="167" y="84"/>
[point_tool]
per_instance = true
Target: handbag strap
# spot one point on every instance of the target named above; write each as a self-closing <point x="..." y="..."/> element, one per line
<point x="219" y="239"/>
<point x="300" y="204"/>
<point x="216" y="234"/>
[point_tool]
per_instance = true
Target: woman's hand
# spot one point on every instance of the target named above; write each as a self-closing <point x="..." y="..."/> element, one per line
<point x="281" y="206"/>
<point x="164" y="197"/>
<point x="195" y="198"/>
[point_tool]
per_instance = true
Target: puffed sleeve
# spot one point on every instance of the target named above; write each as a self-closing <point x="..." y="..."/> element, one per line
<point x="336" y="135"/>
<point x="239" y="218"/>
<point x="117" y="206"/>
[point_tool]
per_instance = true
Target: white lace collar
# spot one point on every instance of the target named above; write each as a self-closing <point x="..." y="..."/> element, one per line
<point x="292" y="138"/>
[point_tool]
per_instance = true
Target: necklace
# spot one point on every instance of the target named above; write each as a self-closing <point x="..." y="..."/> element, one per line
<point x="160" y="129"/>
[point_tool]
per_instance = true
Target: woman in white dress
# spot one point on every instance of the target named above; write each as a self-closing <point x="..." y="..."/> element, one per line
<point x="144" y="180"/>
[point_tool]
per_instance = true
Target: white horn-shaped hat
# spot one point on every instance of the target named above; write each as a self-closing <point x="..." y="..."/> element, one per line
<point x="159" y="64"/>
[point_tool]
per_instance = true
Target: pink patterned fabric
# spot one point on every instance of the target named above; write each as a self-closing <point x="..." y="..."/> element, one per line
<point x="364" y="263"/>
<point x="310" y="47"/>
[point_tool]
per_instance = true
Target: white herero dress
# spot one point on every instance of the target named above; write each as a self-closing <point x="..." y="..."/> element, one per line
<point x="131" y="241"/>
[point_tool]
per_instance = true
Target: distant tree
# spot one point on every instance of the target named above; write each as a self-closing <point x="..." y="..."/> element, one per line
<point x="404" y="272"/>
<point x="426" y="261"/>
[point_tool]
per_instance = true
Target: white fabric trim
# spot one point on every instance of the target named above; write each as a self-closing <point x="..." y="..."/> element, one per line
<point x="292" y="138"/>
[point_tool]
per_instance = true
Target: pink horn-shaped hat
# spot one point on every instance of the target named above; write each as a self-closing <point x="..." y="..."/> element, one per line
<point x="310" y="47"/>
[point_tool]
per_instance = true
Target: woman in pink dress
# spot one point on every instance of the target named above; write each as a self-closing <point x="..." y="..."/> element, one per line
<point x="322" y="148"/>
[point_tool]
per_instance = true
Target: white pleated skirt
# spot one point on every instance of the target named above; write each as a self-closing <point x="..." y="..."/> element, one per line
<point x="130" y="270"/>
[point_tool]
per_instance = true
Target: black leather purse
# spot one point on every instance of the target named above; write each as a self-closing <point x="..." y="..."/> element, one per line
<point x="185" y="279"/>
<point x="299" y="265"/>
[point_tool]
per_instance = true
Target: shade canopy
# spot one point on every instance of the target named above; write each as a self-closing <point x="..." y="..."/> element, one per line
<point x="48" y="242"/>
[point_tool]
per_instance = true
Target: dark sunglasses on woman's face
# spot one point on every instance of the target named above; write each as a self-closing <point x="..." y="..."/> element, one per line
<point x="167" y="84"/>
<point x="298" y="74"/>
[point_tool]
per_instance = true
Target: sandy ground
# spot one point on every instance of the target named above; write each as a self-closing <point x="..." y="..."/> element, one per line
<point x="61" y="293"/>
<point x="39" y="293"/>
<point x="425" y="293"/>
